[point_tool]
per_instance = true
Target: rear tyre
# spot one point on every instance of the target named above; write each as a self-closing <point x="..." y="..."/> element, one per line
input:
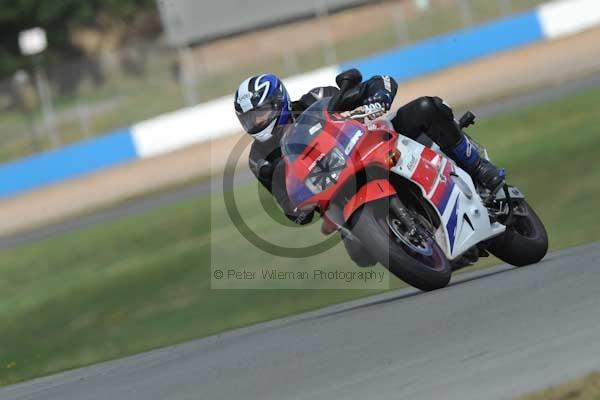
<point x="413" y="257"/>
<point x="525" y="240"/>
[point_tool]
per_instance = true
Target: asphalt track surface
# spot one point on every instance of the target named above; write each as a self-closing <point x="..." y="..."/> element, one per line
<point x="154" y="201"/>
<point x="492" y="334"/>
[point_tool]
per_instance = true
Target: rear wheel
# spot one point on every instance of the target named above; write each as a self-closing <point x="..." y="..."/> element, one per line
<point x="407" y="249"/>
<point x="525" y="241"/>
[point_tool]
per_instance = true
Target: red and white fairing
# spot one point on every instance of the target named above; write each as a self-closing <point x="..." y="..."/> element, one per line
<point x="451" y="192"/>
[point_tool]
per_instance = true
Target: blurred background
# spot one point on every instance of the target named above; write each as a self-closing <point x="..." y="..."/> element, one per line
<point x="111" y="64"/>
<point x="116" y="120"/>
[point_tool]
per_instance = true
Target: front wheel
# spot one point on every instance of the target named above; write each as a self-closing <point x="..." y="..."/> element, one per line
<point x="525" y="240"/>
<point x="408" y="250"/>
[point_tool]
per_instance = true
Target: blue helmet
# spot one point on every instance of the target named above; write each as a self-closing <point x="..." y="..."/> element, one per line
<point x="262" y="104"/>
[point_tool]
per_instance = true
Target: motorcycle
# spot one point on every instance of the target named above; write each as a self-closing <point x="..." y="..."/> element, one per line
<point x="408" y="205"/>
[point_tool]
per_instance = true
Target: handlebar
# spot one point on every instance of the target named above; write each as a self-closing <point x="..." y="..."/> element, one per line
<point x="363" y="113"/>
<point x="346" y="81"/>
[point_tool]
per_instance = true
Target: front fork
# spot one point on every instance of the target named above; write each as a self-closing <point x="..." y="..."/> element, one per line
<point x="502" y="205"/>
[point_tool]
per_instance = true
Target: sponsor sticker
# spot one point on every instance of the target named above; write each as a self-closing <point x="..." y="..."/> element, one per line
<point x="316" y="128"/>
<point x="413" y="162"/>
<point x="387" y="83"/>
<point x="359" y="133"/>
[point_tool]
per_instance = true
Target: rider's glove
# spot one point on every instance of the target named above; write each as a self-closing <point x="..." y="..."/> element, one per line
<point x="378" y="104"/>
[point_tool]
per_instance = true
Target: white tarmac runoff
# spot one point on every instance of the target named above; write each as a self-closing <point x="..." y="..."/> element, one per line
<point x="492" y="334"/>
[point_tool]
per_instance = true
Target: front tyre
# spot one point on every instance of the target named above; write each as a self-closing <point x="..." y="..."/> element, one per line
<point x="525" y="240"/>
<point x="409" y="252"/>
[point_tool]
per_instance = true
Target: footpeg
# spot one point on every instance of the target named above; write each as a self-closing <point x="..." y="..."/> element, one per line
<point x="466" y="120"/>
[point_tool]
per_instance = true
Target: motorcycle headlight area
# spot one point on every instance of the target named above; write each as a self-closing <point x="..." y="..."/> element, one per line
<point x="326" y="171"/>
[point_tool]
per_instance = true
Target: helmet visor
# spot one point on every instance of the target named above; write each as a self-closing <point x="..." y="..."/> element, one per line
<point x="255" y="120"/>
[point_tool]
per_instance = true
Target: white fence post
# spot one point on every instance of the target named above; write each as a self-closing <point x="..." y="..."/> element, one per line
<point x="466" y="13"/>
<point x="187" y="75"/>
<point x="400" y="24"/>
<point x="505" y="7"/>
<point x="327" y="42"/>
<point x="290" y="61"/>
<point x="49" y="118"/>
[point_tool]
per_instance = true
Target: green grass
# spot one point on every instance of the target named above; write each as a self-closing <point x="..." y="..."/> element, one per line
<point x="586" y="388"/>
<point x="142" y="282"/>
<point x="156" y="93"/>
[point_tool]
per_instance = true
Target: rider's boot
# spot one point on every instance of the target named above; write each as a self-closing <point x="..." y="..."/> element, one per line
<point x="467" y="157"/>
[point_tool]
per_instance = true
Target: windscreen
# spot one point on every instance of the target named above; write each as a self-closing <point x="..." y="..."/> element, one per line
<point x="306" y="128"/>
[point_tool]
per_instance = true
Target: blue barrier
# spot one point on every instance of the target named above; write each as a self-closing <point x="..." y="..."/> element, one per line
<point x="452" y="49"/>
<point x="402" y="63"/>
<point x="65" y="163"/>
